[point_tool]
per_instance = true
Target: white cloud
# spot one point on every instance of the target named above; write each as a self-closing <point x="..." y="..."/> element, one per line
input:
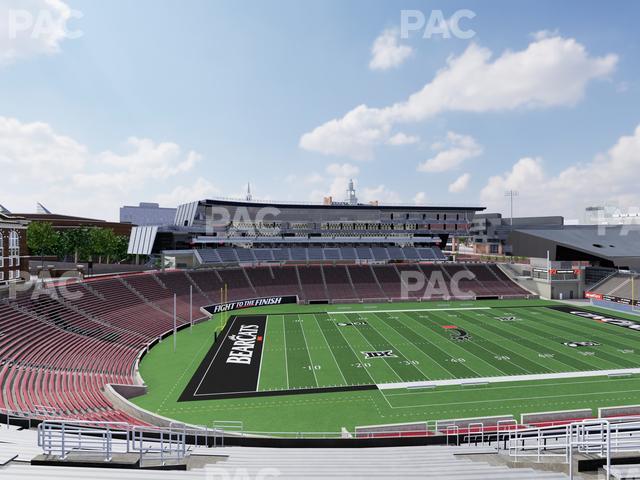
<point x="454" y="150"/>
<point x="342" y="170"/>
<point x="32" y="27"/>
<point x="144" y="159"/>
<point x="526" y="171"/>
<point x="40" y="164"/>
<point x="312" y="178"/>
<point x="550" y="72"/>
<point x="402" y="139"/>
<point x="202" y="188"/>
<point x="379" y="194"/>
<point x="460" y="184"/>
<point x="387" y="52"/>
<point x="608" y="178"/>
<point x="420" y="198"/>
<point x="338" y="177"/>
<point x="29" y="149"/>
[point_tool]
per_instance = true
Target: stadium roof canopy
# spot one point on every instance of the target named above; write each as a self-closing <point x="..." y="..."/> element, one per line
<point x="613" y="246"/>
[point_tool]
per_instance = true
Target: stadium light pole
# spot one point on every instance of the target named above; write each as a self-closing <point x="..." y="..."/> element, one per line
<point x="511" y="194"/>
<point x="175" y="328"/>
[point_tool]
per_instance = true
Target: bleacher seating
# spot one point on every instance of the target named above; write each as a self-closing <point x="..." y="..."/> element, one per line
<point x="226" y="255"/>
<point x="245" y="255"/>
<point x="364" y="282"/>
<point x="59" y="351"/>
<point x="440" y="462"/>
<point x="380" y="254"/>
<point x="338" y="283"/>
<point x="621" y="285"/>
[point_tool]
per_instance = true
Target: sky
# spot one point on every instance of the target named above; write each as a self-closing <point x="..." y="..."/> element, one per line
<point x="111" y="103"/>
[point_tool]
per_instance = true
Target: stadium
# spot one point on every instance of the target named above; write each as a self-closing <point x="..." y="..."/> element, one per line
<point x="292" y="333"/>
<point x="324" y="240"/>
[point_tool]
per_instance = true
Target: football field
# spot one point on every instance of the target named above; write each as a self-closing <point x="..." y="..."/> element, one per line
<point x="396" y="362"/>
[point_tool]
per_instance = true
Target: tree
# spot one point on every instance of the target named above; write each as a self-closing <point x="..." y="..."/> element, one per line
<point x="119" y="247"/>
<point x="101" y="243"/>
<point x="78" y="243"/>
<point x="42" y="239"/>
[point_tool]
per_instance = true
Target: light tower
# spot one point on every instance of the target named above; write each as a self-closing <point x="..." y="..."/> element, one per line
<point x="511" y="194"/>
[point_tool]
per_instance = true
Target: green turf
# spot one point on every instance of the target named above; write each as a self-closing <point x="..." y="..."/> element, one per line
<point x="305" y="348"/>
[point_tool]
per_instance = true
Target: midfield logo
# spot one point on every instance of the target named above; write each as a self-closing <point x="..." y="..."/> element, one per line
<point x="351" y="324"/>
<point x="581" y="344"/>
<point x="457" y="333"/>
<point x="509" y="318"/>
<point x="244" y="343"/>
<point x="380" y="354"/>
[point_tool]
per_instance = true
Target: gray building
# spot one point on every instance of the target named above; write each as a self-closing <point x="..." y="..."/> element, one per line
<point x="147" y="214"/>
<point x="605" y="246"/>
<point x="490" y="231"/>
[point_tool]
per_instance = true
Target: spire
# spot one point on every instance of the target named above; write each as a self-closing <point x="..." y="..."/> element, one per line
<point x="351" y="194"/>
<point x="249" y="196"/>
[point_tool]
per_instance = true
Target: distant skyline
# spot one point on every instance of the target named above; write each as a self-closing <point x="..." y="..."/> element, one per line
<point x="105" y="104"/>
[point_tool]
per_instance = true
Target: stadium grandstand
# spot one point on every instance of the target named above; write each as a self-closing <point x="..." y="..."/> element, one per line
<point x="239" y="230"/>
<point x="350" y="329"/>
<point x="620" y="290"/>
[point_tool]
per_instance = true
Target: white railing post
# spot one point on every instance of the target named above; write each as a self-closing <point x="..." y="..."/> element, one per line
<point x="63" y="456"/>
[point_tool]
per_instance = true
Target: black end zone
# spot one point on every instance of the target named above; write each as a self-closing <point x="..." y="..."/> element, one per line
<point x="227" y="370"/>
<point x="232" y="365"/>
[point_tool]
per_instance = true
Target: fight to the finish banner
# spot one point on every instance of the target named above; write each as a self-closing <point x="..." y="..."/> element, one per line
<point x="248" y="303"/>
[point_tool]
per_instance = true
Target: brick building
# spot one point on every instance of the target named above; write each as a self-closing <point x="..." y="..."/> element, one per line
<point x="13" y="248"/>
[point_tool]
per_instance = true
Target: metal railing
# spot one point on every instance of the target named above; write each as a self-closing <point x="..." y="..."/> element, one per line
<point x="17" y="415"/>
<point x="83" y="438"/>
<point x="104" y="439"/>
<point x="599" y="437"/>
<point x="159" y="445"/>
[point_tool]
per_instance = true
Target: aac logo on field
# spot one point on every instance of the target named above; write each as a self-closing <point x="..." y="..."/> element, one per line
<point x="508" y="318"/>
<point x="380" y="354"/>
<point x="581" y="344"/>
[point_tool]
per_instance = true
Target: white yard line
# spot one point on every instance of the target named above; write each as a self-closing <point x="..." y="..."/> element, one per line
<point x="286" y="362"/>
<point x="475" y="402"/>
<point x="195" y="393"/>
<point x="507" y="378"/>
<point x="434" y="342"/>
<point x="344" y="312"/>
<point x="330" y="350"/>
<point x="264" y="340"/>
<point x="421" y="391"/>
<point x="410" y="345"/>
<point x="313" y="368"/>
<point x="357" y="357"/>
<point x="386" y="360"/>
